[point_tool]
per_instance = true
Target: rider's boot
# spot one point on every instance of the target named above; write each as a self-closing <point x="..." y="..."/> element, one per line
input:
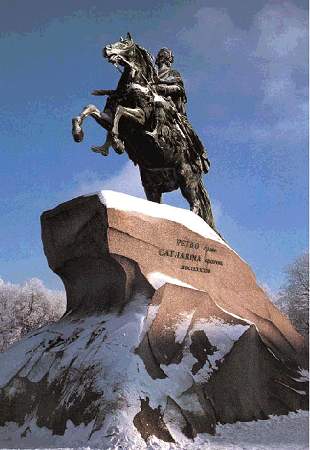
<point x="77" y="131"/>
<point x="159" y="119"/>
<point x="117" y="144"/>
<point x="154" y="133"/>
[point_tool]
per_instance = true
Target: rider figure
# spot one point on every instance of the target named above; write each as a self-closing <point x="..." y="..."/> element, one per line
<point x="169" y="84"/>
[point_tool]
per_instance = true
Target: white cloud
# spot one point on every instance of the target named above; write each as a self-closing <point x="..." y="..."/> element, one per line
<point x="281" y="50"/>
<point x="284" y="131"/>
<point x="217" y="210"/>
<point x="213" y="34"/>
<point x="282" y="32"/>
<point x="270" y="55"/>
<point x="127" y="180"/>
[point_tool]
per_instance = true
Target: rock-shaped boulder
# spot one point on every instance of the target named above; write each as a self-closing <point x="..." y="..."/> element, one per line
<point x="166" y="332"/>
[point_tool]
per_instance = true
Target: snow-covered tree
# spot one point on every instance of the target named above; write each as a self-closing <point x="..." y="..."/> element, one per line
<point x="26" y="307"/>
<point x="293" y="298"/>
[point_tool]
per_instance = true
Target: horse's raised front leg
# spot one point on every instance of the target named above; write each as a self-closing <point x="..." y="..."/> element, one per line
<point x="77" y="121"/>
<point x="136" y="114"/>
<point x="102" y="118"/>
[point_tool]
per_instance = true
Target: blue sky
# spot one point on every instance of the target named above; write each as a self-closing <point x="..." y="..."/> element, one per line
<point x="245" y="70"/>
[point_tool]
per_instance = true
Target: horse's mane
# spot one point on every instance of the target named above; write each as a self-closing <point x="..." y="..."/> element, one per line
<point x="149" y="62"/>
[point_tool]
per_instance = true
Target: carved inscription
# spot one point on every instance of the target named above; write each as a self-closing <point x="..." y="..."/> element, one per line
<point x="193" y="255"/>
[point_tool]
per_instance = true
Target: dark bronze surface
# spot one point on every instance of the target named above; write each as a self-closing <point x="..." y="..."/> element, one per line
<point x="146" y="117"/>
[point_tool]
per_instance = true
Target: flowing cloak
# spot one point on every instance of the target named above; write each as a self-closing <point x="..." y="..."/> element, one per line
<point x="173" y="87"/>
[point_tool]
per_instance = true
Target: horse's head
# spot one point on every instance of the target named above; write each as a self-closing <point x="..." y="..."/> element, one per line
<point x="121" y="51"/>
<point x="127" y="53"/>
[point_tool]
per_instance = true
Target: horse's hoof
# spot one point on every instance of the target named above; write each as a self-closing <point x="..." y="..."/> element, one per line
<point x="78" y="137"/>
<point x="120" y="149"/>
<point x="104" y="151"/>
<point x="77" y="131"/>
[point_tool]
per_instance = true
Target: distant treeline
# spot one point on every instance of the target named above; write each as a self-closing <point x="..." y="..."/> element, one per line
<point x="31" y="305"/>
<point x="26" y="307"/>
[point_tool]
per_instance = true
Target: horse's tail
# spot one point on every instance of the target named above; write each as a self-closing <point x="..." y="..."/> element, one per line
<point x="205" y="211"/>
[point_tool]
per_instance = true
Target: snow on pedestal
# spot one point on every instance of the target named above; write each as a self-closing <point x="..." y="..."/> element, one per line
<point x="166" y="334"/>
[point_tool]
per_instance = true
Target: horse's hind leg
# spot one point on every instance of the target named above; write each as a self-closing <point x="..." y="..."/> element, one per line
<point x="153" y="195"/>
<point x="104" y="149"/>
<point x="150" y="183"/>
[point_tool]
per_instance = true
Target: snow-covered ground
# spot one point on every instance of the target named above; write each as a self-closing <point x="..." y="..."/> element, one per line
<point x="122" y="377"/>
<point x="123" y="367"/>
<point x="278" y="433"/>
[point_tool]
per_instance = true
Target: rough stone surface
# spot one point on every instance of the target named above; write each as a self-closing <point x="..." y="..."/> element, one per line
<point x="82" y="239"/>
<point x="166" y="332"/>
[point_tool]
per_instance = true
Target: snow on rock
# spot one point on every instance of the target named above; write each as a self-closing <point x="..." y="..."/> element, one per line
<point x="158" y="279"/>
<point x="151" y="314"/>
<point x="158" y="346"/>
<point x="222" y="336"/>
<point x="96" y="355"/>
<point x="182" y="326"/>
<point x="117" y="379"/>
<point x="185" y="217"/>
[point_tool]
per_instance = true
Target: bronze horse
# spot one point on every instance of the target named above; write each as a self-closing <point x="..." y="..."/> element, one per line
<point x="166" y="155"/>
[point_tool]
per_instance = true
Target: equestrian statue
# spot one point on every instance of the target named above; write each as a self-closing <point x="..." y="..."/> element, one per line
<point x="146" y="117"/>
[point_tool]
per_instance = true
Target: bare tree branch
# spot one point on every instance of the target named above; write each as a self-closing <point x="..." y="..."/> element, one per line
<point x="293" y="298"/>
<point x="24" y="308"/>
